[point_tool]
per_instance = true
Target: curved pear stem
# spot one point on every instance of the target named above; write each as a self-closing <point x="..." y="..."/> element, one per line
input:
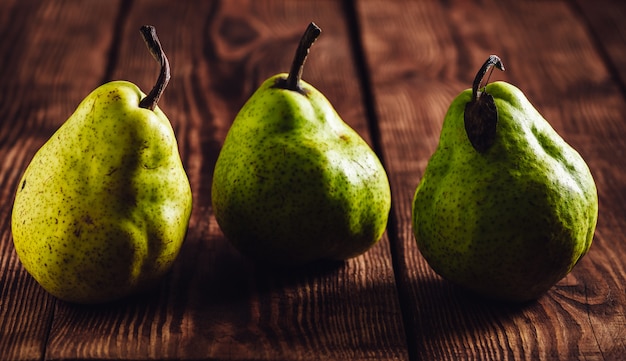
<point x="492" y="61"/>
<point x="311" y="34"/>
<point x="154" y="45"/>
<point x="481" y="114"/>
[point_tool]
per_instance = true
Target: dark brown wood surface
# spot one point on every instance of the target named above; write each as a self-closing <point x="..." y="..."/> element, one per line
<point x="390" y="68"/>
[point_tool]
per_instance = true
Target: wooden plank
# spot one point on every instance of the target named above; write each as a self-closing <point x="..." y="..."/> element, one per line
<point x="436" y="49"/>
<point x="38" y="90"/>
<point x="605" y="21"/>
<point x="216" y="304"/>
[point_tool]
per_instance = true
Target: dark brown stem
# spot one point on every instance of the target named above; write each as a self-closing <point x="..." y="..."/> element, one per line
<point x="295" y="74"/>
<point x="492" y="61"/>
<point x="154" y="45"/>
<point x="481" y="113"/>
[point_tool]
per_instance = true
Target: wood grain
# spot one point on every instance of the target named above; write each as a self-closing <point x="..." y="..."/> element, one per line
<point x="604" y="22"/>
<point x="550" y="55"/>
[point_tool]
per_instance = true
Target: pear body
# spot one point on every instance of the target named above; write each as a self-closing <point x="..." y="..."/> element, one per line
<point x="103" y="208"/>
<point x="294" y="184"/>
<point x="510" y="222"/>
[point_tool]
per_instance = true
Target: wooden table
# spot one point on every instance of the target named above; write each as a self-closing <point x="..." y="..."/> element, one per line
<point x="391" y="68"/>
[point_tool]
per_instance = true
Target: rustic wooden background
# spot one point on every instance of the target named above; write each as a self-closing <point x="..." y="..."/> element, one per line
<point x="391" y="68"/>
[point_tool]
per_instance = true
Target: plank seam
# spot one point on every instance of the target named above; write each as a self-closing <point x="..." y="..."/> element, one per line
<point x="49" y="322"/>
<point x="118" y="31"/>
<point x="369" y="99"/>
<point x="597" y="43"/>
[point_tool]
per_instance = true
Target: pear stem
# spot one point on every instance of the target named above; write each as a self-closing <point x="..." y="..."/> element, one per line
<point x="492" y="61"/>
<point x="154" y="45"/>
<point x="481" y="114"/>
<point x="295" y="74"/>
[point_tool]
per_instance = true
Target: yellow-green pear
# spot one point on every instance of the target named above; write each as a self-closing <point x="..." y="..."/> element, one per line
<point x="293" y="183"/>
<point x="103" y="208"/>
<point x="505" y="208"/>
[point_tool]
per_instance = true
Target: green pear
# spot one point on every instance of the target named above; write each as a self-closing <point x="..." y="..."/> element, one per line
<point x="293" y="183"/>
<point x="505" y="208"/>
<point x="102" y="209"/>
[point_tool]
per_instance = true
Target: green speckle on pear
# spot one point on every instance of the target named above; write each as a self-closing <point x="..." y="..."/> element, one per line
<point x="512" y="221"/>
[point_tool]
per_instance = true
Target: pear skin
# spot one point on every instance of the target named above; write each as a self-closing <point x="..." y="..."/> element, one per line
<point x="509" y="222"/>
<point x="293" y="183"/>
<point x="102" y="209"/>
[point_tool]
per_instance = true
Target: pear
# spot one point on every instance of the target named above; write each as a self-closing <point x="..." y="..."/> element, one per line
<point x="102" y="209"/>
<point x="505" y="208"/>
<point x="294" y="184"/>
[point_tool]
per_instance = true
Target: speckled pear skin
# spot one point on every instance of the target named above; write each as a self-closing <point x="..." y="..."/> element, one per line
<point x="509" y="223"/>
<point x="294" y="184"/>
<point x="102" y="210"/>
